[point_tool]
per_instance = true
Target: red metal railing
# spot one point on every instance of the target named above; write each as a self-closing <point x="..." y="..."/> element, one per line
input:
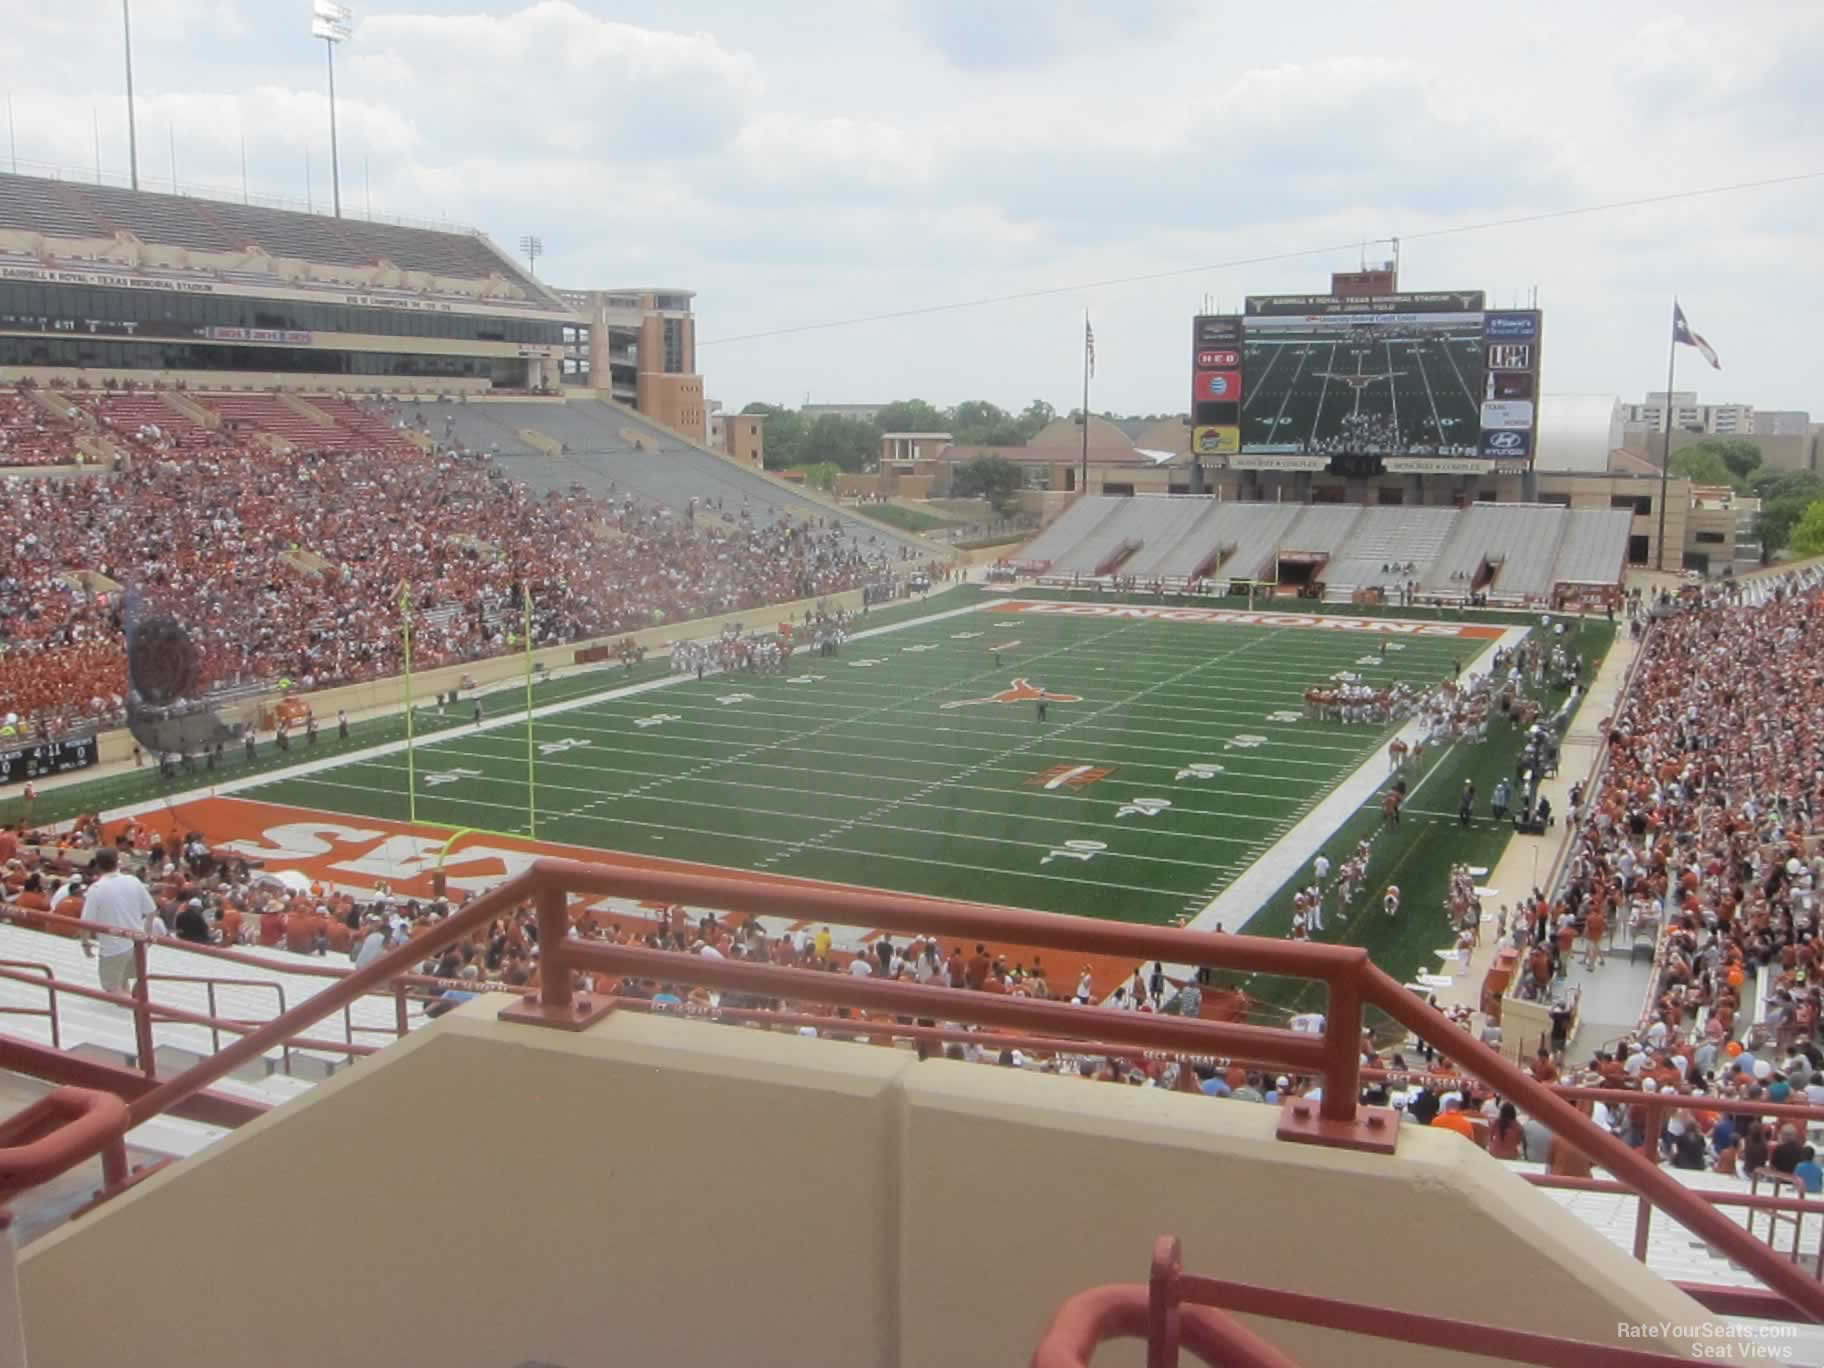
<point x="211" y="983"/>
<point x="1353" y="983"/>
<point x="49" y="1009"/>
<point x="1175" y="1310"/>
<point x="58" y="1131"/>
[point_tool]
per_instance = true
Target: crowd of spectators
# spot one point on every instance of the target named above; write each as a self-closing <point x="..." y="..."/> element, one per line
<point x="29" y="435"/>
<point x="290" y="568"/>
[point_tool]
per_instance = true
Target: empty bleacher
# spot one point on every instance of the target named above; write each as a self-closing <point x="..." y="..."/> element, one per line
<point x="1321" y="529"/>
<point x="1257" y="541"/>
<point x="1531" y="548"/>
<point x="81" y="211"/>
<point x="1518" y="542"/>
<point x="614" y="450"/>
<point x="1383" y="537"/>
<point x="1129" y="522"/>
<point x="1595" y="549"/>
<point x="1182" y="522"/>
<point x="1070" y="528"/>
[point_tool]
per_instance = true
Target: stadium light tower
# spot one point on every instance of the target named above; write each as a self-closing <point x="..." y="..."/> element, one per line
<point x="126" y="30"/>
<point x="533" y="248"/>
<point x="333" y="23"/>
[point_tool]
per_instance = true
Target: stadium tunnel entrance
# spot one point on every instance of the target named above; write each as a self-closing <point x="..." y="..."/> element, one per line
<point x="1301" y="572"/>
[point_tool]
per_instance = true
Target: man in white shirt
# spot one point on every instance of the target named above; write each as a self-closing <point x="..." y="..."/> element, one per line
<point x="116" y="902"/>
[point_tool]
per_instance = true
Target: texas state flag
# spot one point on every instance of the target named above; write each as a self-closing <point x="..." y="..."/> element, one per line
<point x="1681" y="332"/>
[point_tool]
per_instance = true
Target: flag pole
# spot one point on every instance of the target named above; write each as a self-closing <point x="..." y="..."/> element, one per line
<point x="411" y="772"/>
<point x="531" y="750"/>
<point x="1083" y="480"/>
<point x="1665" y="459"/>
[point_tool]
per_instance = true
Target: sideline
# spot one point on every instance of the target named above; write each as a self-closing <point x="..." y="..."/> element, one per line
<point x="1238" y="904"/>
<point x="513" y="719"/>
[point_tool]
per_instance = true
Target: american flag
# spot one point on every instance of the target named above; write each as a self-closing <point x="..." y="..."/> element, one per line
<point x="1089" y="344"/>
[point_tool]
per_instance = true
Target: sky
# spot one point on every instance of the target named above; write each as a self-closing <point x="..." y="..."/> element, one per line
<point x="809" y="162"/>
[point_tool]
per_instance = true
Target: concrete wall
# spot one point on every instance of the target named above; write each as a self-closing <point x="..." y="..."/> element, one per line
<point x="665" y="1191"/>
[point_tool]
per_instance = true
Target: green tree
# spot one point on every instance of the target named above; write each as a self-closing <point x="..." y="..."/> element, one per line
<point x="784" y="435"/>
<point x="848" y="443"/>
<point x="1742" y="457"/>
<point x="976" y="422"/>
<point x="1808" y="536"/>
<point x="822" y="475"/>
<point x="1769" y="483"/>
<point x="1036" y="416"/>
<point x="1703" y="464"/>
<point x="1777" y="519"/>
<point x="994" y="478"/>
<point x="912" y="415"/>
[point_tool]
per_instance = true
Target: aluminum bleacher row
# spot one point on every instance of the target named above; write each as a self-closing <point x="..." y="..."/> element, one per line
<point x="77" y="210"/>
<point x="1511" y="552"/>
<point x="609" y="449"/>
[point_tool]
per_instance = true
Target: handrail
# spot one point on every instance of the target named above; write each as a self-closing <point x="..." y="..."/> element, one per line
<point x="1628" y="1165"/>
<point x="59" y="1131"/>
<point x="50" y="1009"/>
<point x="215" y="1031"/>
<point x="1353" y="983"/>
<point x="1175" y="1309"/>
<point x="159" y="1012"/>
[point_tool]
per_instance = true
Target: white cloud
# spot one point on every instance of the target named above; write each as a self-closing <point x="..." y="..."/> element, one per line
<point x="877" y="156"/>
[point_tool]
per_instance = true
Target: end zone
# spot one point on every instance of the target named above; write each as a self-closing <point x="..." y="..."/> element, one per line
<point x="1231" y="617"/>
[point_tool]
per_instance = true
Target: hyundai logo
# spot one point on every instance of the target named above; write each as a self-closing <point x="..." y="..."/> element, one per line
<point x="1505" y="441"/>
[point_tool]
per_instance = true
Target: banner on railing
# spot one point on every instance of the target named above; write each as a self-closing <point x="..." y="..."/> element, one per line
<point x="19" y="763"/>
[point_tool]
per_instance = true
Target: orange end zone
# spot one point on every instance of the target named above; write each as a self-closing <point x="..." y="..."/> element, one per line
<point x="1323" y="622"/>
<point x="361" y="853"/>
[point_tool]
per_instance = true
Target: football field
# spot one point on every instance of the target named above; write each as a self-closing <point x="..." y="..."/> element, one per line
<point x="1172" y="752"/>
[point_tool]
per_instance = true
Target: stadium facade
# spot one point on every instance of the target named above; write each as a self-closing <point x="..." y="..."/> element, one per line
<point x="639" y="348"/>
<point x="100" y="283"/>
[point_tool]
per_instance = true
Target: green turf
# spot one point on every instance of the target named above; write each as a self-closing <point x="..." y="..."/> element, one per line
<point x="138" y="786"/>
<point x="906" y="519"/>
<point x="855" y="771"/>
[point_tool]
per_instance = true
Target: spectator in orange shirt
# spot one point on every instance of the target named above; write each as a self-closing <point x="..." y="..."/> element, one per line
<point x="1452" y="1118"/>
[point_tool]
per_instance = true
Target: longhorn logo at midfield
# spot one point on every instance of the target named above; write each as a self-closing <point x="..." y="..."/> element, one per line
<point x="1021" y="692"/>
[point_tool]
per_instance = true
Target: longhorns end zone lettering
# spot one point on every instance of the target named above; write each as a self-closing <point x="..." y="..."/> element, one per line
<point x="1140" y="612"/>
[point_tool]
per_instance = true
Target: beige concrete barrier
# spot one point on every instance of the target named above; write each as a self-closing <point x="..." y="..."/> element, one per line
<point x="657" y="1190"/>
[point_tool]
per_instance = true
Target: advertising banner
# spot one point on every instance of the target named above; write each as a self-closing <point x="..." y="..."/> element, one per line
<point x="1434" y="465"/>
<point x="1219" y="360"/>
<point x="1507" y="445"/>
<point x="1510" y="356"/>
<point x="1510" y="384"/>
<point x="1218" y="387"/>
<point x="1220" y="440"/>
<point x="1507" y="415"/>
<point x="1259" y="462"/>
<point x="1513" y="326"/>
<point x="1216" y="330"/>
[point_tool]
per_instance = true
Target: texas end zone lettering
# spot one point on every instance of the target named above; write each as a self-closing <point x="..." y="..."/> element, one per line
<point x="1139" y="612"/>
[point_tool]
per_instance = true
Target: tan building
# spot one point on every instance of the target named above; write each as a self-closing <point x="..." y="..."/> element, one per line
<point x="639" y="348"/>
<point x="739" y="436"/>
